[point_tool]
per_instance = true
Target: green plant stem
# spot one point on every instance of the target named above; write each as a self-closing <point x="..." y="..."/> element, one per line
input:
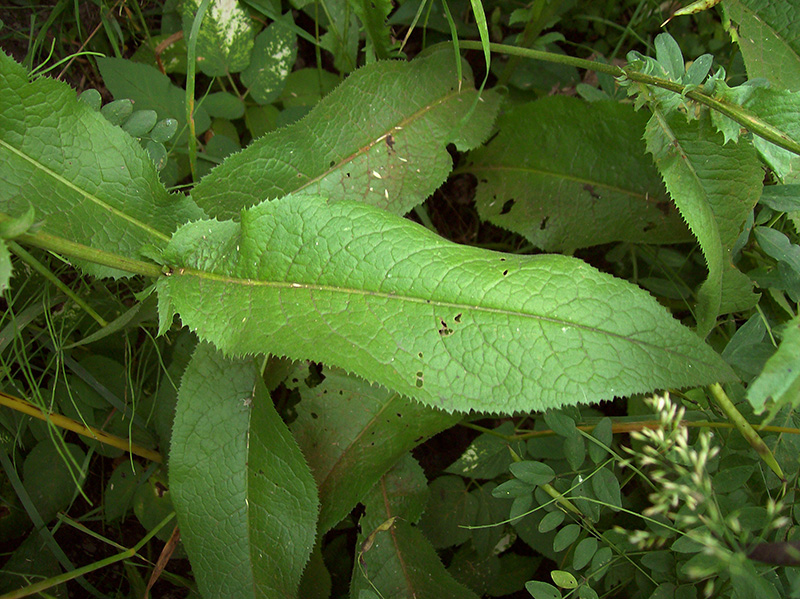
<point x="191" y="67"/>
<point x="560" y="500"/>
<point x="62" y="578"/>
<point x="64" y="247"/>
<point x="26" y="257"/>
<point x="733" y="112"/>
<point x="744" y="427"/>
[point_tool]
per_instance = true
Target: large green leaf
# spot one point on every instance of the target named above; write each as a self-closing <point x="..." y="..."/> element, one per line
<point x="767" y="34"/>
<point x="87" y="179"/>
<point x="245" y="498"/>
<point x="380" y="137"/>
<point x="715" y="186"/>
<point x="225" y="39"/>
<point x="567" y="174"/>
<point x="393" y="556"/>
<point x="457" y="327"/>
<point x="352" y="432"/>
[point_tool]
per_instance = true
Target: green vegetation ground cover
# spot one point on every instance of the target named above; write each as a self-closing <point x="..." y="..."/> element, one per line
<point x="371" y="300"/>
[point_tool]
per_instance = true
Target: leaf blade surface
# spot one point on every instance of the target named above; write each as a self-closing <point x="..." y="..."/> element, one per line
<point x="245" y="499"/>
<point x="352" y="432"/>
<point x="458" y="328"/>
<point x="380" y="137"/>
<point x="394" y="556"/>
<point x="715" y="186"/>
<point x="89" y="180"/>
<point x="544" y="177"/>
<point x="768" y="39"/>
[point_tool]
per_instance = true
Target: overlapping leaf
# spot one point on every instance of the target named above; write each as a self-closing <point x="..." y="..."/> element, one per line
<point x="88" y="180"/>
<point x="767" y="34"/>
<point x="380" y="137"/>
<point x="352" y="432"/>
<point x="395" y="558"/>
<point x="715" y="186"/>
<point x="245" y="498"/>
<point x="543" y="177"/>
<point x="457" y="327"/>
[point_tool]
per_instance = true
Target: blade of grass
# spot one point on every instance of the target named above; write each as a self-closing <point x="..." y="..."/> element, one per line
<point x="45" y="272"/>
<point x="191" y="71"/>
<point x="79" y="572"/>
<point x="41" y="526"/>
<point x="24" y="407"/>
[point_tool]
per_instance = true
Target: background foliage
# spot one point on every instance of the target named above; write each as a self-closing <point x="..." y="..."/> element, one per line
<point x="302" y="299"/>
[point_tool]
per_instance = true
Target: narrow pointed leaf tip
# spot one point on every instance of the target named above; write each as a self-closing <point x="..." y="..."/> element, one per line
<point x="456" y="327"/>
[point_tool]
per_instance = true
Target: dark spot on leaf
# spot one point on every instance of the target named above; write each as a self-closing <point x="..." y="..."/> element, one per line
<point x="314" y="415"/>
<point x="418" y="439"/>
<point x="507" y="206"/>
<point x="399" y="415"/>
<point x="332" y="164"/>
<point x="591" y="190"/>
<point x="457" y="317"/>
<point x="502" y="259"/>
<point x="544" y="223"/>
<point x="484" y="180"/>
<point x="347" y="175"/>
<point x="390" y="142"/>
<point x="315" y="376"/>
<point x="648" y="227"/>
<point x="664" y="207"/>
<point x="420" y="355"/>
<point x="505" y="272"/>
<point x="445" y="331"/>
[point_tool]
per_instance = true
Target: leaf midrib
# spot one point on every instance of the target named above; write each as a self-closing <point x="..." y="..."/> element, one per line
<point x="554" y="175"/>
<point x="82" y="192"/>
<point x="416" y="300"/>
<point x="399" y="126"/>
